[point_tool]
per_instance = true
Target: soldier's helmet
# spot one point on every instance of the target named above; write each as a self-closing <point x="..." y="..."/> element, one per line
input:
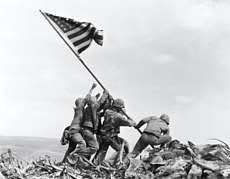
<point x="165" y="118"/>
<point x="119" y="103"/>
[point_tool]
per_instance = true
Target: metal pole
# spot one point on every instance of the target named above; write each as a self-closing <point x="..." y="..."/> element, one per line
<point x="78" y="57"/>
<point x="74" y="52"/>
<point x="130" y="118"/>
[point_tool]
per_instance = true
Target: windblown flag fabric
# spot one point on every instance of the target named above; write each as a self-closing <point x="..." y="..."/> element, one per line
<point x="80" y="34"/>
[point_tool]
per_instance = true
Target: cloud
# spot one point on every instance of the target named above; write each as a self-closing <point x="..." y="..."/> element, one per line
<point x="183" y="100"/>
<point x="163" y="59"/>
<point x="158" y="56"/>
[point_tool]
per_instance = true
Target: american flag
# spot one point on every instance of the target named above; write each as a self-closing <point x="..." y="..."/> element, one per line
<point x="80" y="34"/>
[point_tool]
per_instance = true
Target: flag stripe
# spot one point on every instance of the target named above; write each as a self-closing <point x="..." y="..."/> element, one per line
<point x="83" y="48"/>
<point x="80" y="34"/>
<point x="77" y="38"/>
<point x="84" y="44"/>
<point x="76" y="43"/>
<point x="75" y="30"/>
<point x="83" y="30"/>
<point x="99" y="37"/>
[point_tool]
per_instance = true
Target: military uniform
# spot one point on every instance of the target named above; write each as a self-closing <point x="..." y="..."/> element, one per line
<point x="155" y="133"/>
<point x="109" y="134"/>
<point x="90" y="125"/>
<point x="74" y="130"/>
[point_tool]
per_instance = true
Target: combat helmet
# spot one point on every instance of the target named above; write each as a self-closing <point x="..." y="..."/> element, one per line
<point x="119" y="103"/>
<point x="165" y="118"/>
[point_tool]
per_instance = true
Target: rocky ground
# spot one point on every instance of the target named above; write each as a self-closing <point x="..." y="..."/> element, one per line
<point x="175" y="160"/>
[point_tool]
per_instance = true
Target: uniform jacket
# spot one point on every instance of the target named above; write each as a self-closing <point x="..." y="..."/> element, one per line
<point x="155" y="125"/>
<point x="112" y="122"/>
<point x="88" y="119"/>
<point x="78" y="114"/>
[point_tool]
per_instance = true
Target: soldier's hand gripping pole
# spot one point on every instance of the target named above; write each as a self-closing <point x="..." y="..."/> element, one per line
<point x="88" y="96"/>
<point x="92" y="88"/>
<point x="130" y="118"/>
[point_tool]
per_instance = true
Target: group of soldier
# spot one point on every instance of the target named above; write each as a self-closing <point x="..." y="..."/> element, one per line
<point x="96" y="126"/>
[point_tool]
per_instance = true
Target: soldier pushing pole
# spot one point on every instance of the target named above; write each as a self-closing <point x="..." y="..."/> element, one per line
<point x="55" y="23"/>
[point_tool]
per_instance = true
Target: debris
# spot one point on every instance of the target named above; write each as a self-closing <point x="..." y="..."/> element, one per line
<point x="174" y="160"/>
<point x="195" y="172"/>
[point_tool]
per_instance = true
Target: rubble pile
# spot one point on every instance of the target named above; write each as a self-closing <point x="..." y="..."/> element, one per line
<point x="174" y="160"/>
<point x="177" y="160"/>
<point x="12" y="167"/>
<point x="45" y="168"/>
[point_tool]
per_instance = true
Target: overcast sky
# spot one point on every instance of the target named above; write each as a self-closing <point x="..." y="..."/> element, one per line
<point x="160" y="56"/>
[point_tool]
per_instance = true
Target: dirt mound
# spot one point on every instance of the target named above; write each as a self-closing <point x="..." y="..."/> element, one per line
<point x="175" y="160"/>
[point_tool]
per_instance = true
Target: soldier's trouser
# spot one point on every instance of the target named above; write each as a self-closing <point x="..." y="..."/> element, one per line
<point x="115" y="142"/>
<point x="75" y="139"/>
<point x="148" y="139"/>
<point x="91" y="145"/>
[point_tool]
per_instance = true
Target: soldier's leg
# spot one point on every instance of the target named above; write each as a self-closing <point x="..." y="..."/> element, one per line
<point x="70" y="149"/>
<point x="120" y="145"/>
<point x="77" y="139"/>
<point x="91" y="143"/>
<point x="163" y="139"/>
<point x="141" y="144"/>
<point x="76" y="142"/>
<point x="126" y="145"/>
<point x="101" y="153"/>
<point x="118" y="141"/>
<point x="100" y="144"/>
<point x="126" y="149"/>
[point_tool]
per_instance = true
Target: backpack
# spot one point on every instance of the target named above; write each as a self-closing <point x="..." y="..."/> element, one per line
<point x="65" y="136"/>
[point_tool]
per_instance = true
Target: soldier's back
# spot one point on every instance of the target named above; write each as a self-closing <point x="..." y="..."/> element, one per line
<point x="109" y="117"/>
<point x="154" y="126"/>
<point x="87" y="117"/>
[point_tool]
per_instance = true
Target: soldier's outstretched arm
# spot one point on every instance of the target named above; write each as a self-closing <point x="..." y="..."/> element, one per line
<point x="123" y="121"/>
<point x="92" y="88"/>
<point x="132" y="122"/>
<point x="88" y="96"/>
<point x="103" y="97"/>
<point x="142" y="122"/>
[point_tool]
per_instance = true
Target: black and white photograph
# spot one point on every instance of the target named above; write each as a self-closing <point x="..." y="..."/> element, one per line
<point x="114" y="89"/>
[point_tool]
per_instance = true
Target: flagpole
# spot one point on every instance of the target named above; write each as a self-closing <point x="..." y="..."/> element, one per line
<point x="74" y="52"/>
<point x="79" y="58"/>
